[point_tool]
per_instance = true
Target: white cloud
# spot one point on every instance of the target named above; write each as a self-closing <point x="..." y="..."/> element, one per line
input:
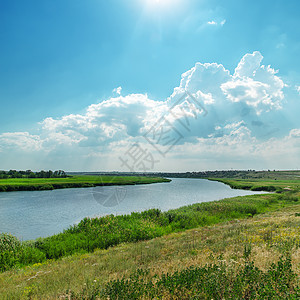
<point x="248" y="65"/>
<point x="215" y="23"/>
<point x="253" y="93"/>
<point x="239" y="149"/>
<point x="244" y="124"/>
<point x="206" y="78"/>
<point x="297" y="88"/>
<point x="20" y="141"/>
<point x="118" y="90"/>
<point x="295" y="133"/>
<point x="255" y="84"/>
<point x="113" y="119"/>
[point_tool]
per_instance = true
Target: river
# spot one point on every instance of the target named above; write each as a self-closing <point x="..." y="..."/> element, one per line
<point x="30" y="215"/>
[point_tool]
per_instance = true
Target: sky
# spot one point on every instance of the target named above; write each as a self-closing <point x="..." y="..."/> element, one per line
<point x="149" y="85"/>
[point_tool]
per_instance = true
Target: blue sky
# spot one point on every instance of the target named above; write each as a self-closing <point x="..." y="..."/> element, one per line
<point x="58" y="58"/>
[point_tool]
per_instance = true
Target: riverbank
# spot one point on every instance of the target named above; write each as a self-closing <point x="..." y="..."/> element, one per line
<point x="238" y="257"/>
<point x="39" y="184"/>
<point x="267" y="185"/>
<point x="110" y="230"/>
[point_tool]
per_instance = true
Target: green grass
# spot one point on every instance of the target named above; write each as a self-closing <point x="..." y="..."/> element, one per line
<point x="270" y="185"/>
<point x="31" y="184"/>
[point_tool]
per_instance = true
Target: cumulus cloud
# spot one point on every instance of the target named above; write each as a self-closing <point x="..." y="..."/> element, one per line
<point x="114" y="119"/>
<point x="219" y="117"/>
<point x="255" y="84"/>
<point x="248" y="65"/>
<point x="250" y="94"/>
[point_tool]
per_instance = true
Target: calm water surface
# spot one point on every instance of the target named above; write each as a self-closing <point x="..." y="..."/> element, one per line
<point x="29" y="215"/>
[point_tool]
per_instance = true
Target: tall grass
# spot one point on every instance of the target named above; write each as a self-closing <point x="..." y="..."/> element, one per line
<point x="213" y="281"/>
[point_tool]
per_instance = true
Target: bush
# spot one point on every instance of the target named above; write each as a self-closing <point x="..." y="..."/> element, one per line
<point x="7" y="260"/>
<point x="9" y="242"/>
<point x="268" y="188"/>
<point x="30" y="255"/>
<point x="289" y="197"/>
<point x="45" y="187"/>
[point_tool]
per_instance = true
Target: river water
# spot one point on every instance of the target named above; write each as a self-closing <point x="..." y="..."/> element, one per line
<point x="30" y="215"/>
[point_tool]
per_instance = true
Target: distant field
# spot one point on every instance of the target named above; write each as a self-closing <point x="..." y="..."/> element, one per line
<point x="237" y="174"/>
<point x="31" y="184"/>
<point x="270" y="181"/>
<point x="271" y="185"/>
<point x="262" y="175"/>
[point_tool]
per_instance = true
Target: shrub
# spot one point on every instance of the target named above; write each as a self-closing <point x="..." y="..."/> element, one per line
<point x="7" y="260"/>
<point x="9" y="242"/>
<point x="268" y="188"/>
<point x="30" y="255"/>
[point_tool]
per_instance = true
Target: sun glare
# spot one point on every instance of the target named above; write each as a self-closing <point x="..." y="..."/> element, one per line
<point x="162" y="4"/>
<point x="156" y="1"/>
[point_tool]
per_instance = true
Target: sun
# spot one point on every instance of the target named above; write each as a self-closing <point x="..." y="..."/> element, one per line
<point x="161" y="6"/>
<point x="160" y="3"/>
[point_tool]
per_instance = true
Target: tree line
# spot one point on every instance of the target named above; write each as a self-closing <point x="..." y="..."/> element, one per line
<point x="31" y="174"/>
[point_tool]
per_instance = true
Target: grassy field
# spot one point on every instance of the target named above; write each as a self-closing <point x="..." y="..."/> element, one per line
<point x="238" y="248"/>
<point x="261" y="185"/>
<point x="272" y="181"/>
<point x="30" y="184"/>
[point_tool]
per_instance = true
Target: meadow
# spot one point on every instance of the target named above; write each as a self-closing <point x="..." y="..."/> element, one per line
<point x="33" y="184"/>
